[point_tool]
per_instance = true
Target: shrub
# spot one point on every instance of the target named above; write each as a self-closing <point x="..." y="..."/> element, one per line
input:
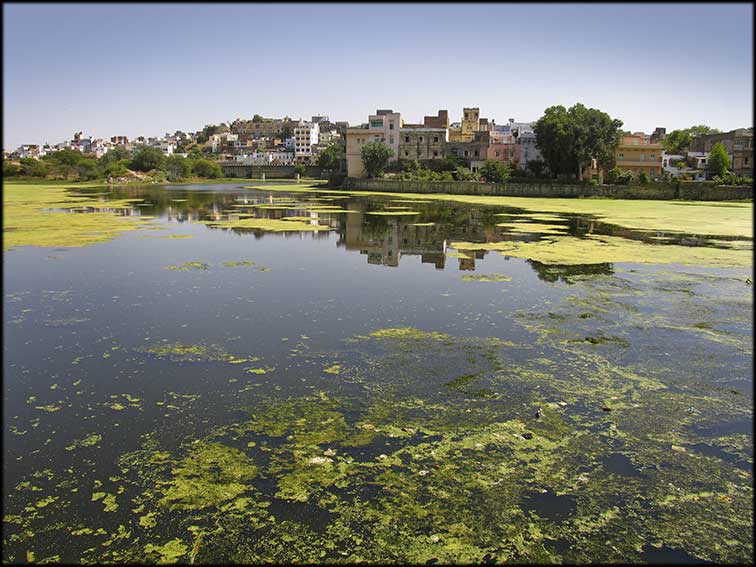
<point x="495" y="171"/>
<point x="207" y="169"/>
<point x="617" y="176"/>
<point x="643" y="178"/>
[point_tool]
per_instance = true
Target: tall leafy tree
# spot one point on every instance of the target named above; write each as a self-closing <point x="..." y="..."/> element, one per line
<point x="570" y="139"/>
<point x="375" y="157"/>
<point x="554" y="138"/>
<point x="330" y="157"/>
<point x="719" y="161"/>
<point x="147" y="158"/>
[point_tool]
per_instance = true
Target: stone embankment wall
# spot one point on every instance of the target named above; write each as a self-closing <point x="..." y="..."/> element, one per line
<point x="687" y="191"/>
<point x="233" y="169"/>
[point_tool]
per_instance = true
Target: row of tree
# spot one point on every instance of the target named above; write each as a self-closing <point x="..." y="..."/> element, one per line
<point x="71" y="164"/>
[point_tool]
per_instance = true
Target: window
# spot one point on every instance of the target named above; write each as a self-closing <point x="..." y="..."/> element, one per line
<point x="391" y="140"/>
<point x="497" y="154"/>
<point x="391" y="125"/>
<point x="622" y="157"/>
<point x="376" y="123"/>
<point x="421" y="139"/>
<point x="643" y="157"/>
<point x="467" y="153"/>
<point x="435" y="139"/>
<point x="406" y="139"/>
<point x="477" y="153"/>
<point x="435" y="154"/>
<point x="406" y="154"/>
<point x="653" y="156"/>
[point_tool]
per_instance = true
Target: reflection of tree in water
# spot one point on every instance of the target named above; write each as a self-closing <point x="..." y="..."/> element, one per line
<point x="556" y="272"/>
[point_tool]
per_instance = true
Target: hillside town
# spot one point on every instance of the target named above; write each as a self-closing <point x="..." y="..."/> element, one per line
<point x="471" y="141"/>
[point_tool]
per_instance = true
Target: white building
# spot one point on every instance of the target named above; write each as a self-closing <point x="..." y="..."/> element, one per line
<point x="528" y="149"/>
<point x="167" y="148"/>
<point x="667" y="160"/>
<point x="279" y="157"/>
<point x="305" y="137"/>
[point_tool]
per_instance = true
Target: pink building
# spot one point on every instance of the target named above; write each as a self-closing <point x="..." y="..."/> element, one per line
<point x="504" y="152"/>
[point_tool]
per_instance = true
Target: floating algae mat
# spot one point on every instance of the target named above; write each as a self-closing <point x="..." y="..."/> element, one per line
<point x="26" y="223"/>
<point x="394" y="213"/>
<point x="487" y="278"/>
<point x="376" y="391"/>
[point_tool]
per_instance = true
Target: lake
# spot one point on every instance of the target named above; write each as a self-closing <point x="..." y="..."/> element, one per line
<point x="216" y="373"/>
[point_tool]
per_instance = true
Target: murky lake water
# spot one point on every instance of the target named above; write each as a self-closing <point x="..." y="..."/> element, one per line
<point x="370" y="393"/>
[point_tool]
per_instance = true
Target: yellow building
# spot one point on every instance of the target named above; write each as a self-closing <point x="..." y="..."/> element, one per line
<point x="470" y="123"/>
<point x="636" y="155"/>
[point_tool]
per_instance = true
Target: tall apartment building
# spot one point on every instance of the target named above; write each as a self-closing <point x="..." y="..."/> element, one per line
<point x="305" y="137"/>
<point x="383" y="126"/>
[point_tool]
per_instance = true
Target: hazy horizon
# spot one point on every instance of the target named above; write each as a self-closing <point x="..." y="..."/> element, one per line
<point x="139" y="69"/>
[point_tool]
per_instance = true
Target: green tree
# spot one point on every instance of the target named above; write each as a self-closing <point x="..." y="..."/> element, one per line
<point x="206" y="168"/>
<point x="113" y="155"/>
<point x="643" y="178"/>
<point x="331" y="157"/>
<point x="256" y="118"/>
<point x="555" y="139"/>
<point x="495" y="172"/>
<point x="87" y="169"/>
<point x="10" y="169"/>
<point x="375" y="158"/>
<point x="536" y="167"/>
<point x="678" y="141"/>
<point x="569" y="139"/>
<point x="300" y="169"/>
<point x="116" y="168"/>
<point x="32" y="167"/>
<point x="66" y="157"/>
<point x="177" y="168"/>
<point x="147" y="158"/>
<point x="719" y="162"/>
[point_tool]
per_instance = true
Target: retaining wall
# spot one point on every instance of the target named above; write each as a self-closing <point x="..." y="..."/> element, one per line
<point x="686" y="191"/>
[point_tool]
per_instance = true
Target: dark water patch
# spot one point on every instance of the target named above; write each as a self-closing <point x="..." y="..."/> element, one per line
<point x="667" y="555"/>
<point x="620" y="464"/>
<point x="550" y="506"/>
<point x="304" y="513"/>
<point x="712" y="451"/>
<point x="734" y="427"/>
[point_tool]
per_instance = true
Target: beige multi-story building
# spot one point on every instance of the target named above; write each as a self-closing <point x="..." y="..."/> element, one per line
<point x="383" y="127"/>
<point x="634" y="154"/>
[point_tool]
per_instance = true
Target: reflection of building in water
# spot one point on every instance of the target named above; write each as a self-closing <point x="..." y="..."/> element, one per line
<point x="384" y="240"/>
<point x="467" y="264"/>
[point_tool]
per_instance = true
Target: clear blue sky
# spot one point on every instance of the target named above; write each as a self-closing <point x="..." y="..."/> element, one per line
<point x="141" y="69"/>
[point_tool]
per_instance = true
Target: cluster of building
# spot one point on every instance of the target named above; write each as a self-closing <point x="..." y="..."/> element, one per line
<point x="98" y="147"/>
<point x="474" y="140"/>
<point x="265" y="141"/>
